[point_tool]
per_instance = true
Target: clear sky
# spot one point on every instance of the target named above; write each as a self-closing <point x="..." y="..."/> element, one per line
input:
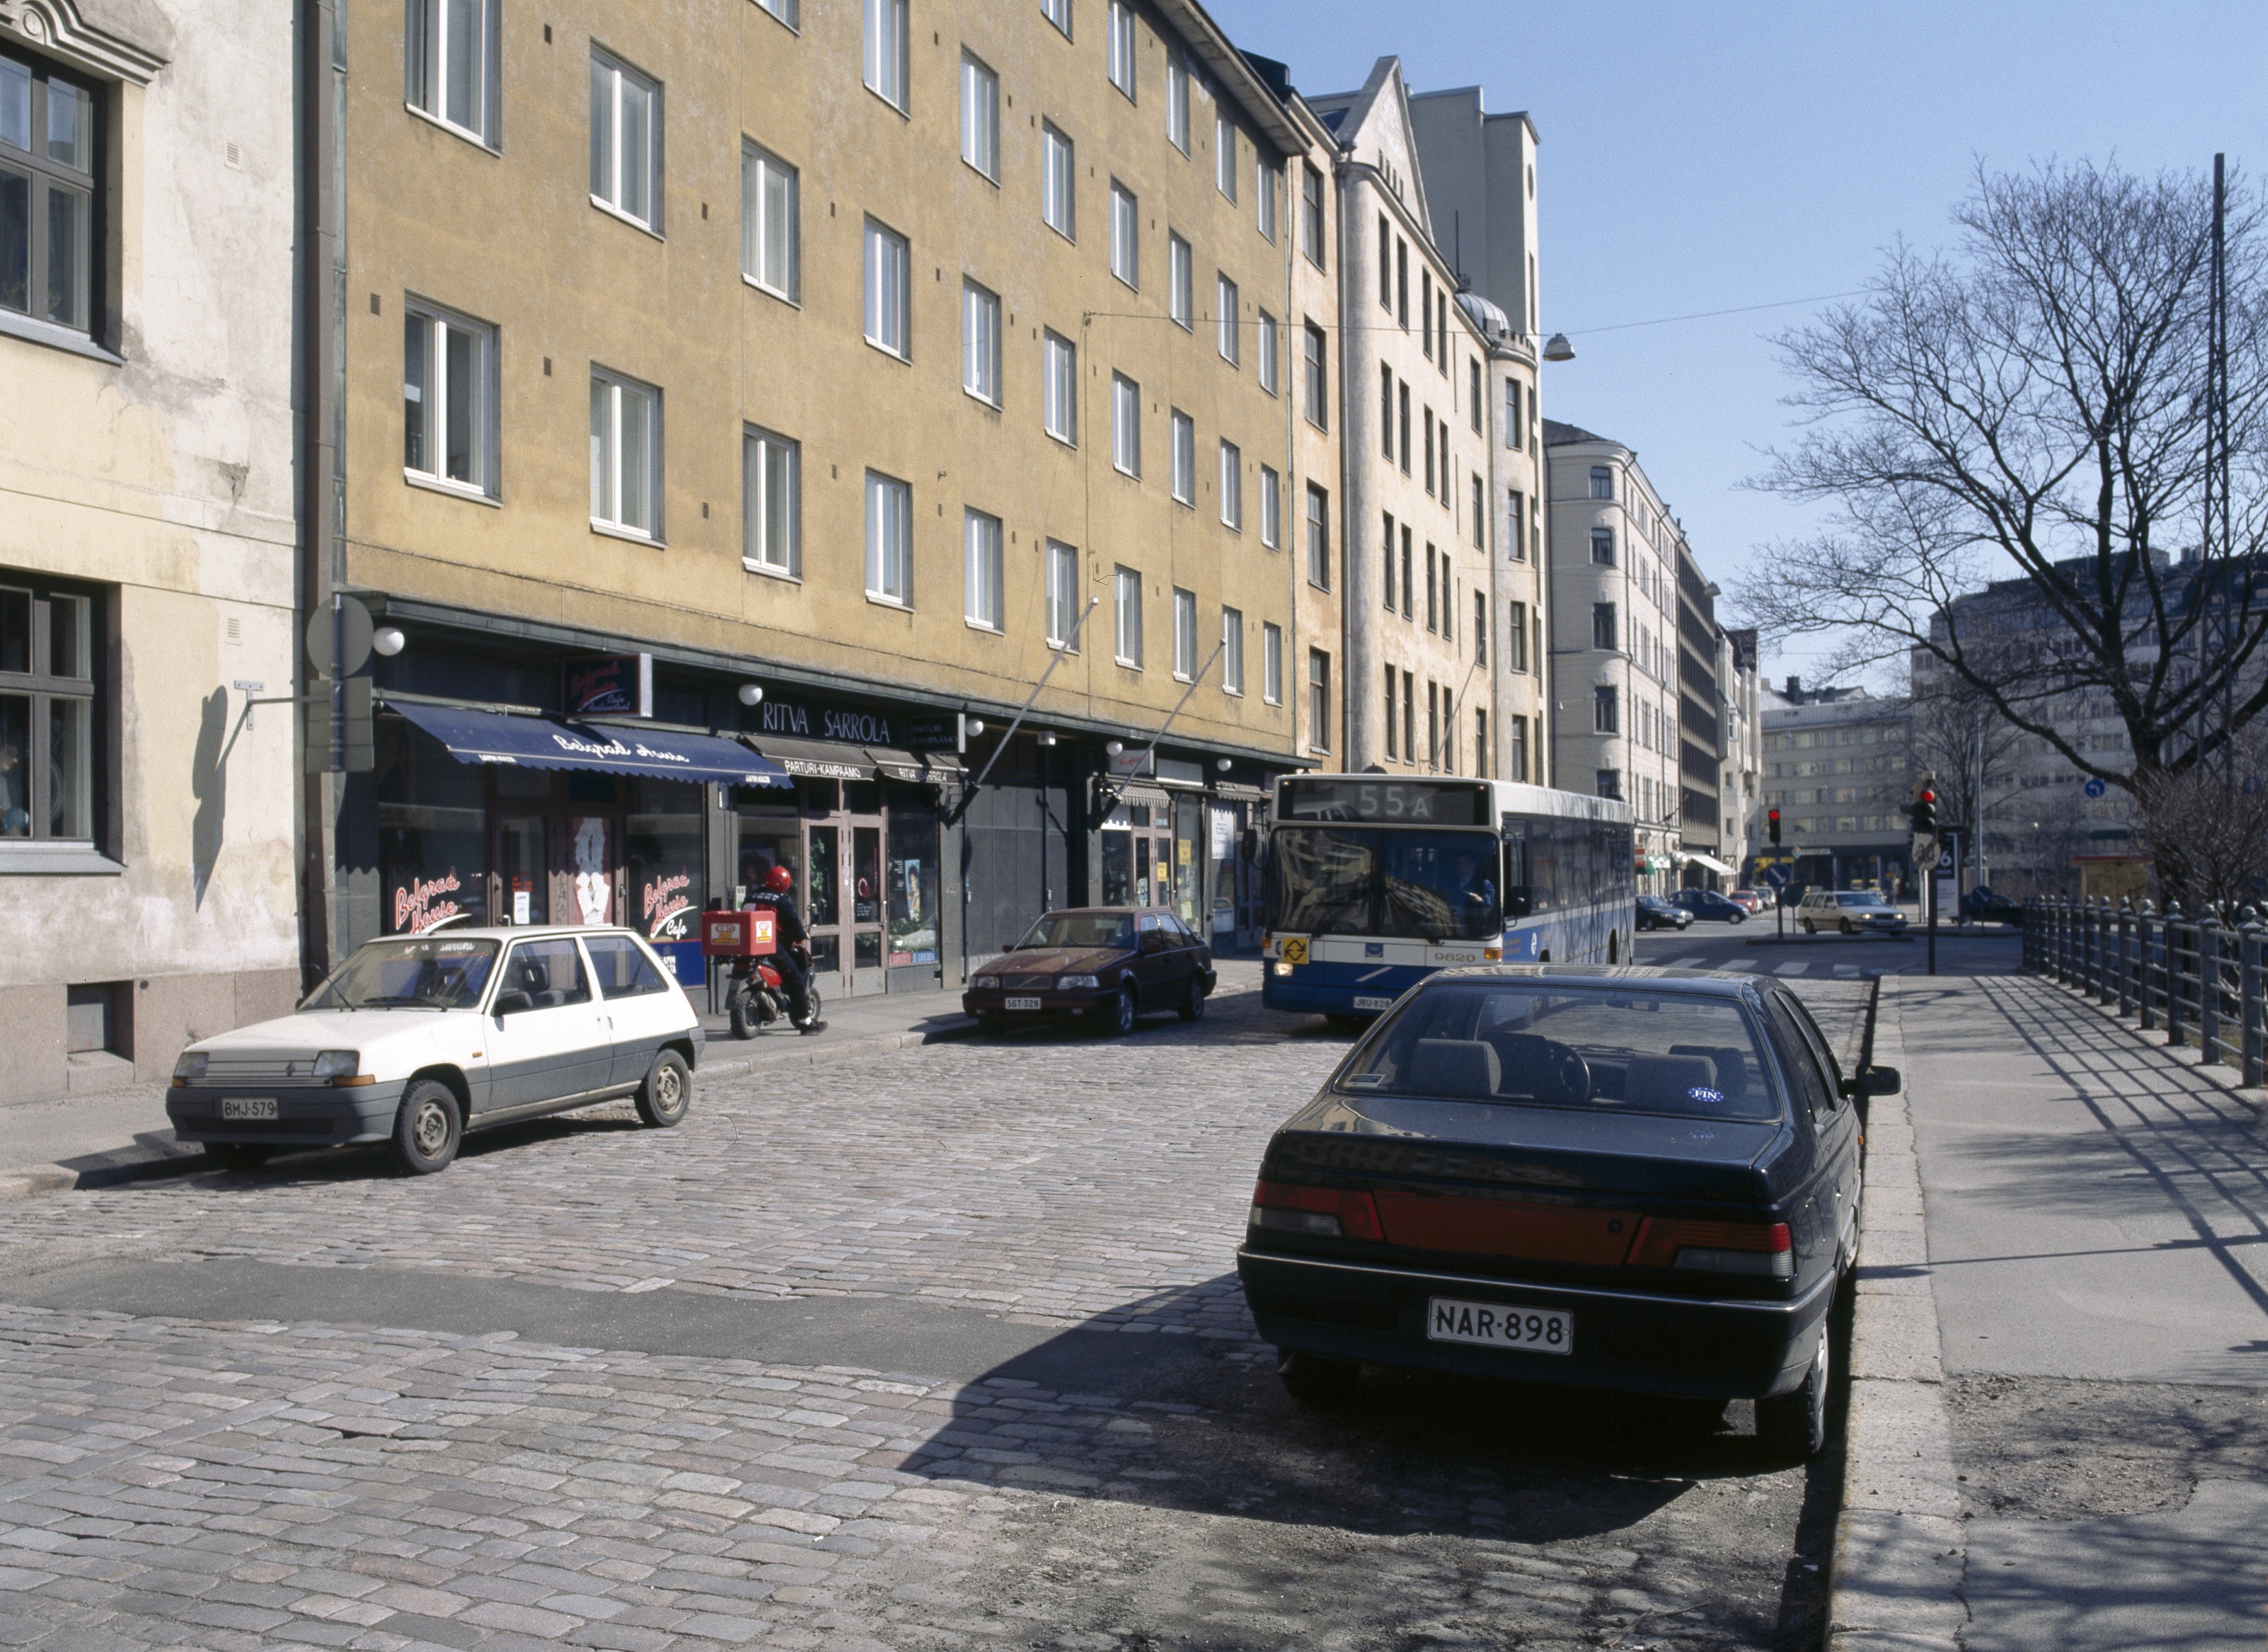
<point x="1703" y="156"/>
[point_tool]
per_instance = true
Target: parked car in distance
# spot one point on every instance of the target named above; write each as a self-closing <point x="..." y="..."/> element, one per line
<point x="1980" y="904"/>
<point x="1749" y="899"/>
<point x="1848" y="911"/>
<point x="1655" y="912"/>
<point x="415" y="1040"/>
<point x="1106" y="965"/>
<point x="1635" y="1179"/>
<point x="1707" y="903"/>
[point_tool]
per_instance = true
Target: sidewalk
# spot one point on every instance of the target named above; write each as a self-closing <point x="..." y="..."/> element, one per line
<point x="2060" y="1361"/>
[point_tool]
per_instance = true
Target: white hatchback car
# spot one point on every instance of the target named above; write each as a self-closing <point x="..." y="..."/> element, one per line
<point x="415" y="1040"/>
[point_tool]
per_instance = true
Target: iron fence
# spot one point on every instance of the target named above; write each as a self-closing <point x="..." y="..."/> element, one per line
<point x="2197" y="978"/>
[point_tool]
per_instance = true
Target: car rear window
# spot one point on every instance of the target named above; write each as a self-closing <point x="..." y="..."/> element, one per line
<point x="1862" y="898"/>
<point x="1537" y="1044"/>
<point x="622" y="967"/>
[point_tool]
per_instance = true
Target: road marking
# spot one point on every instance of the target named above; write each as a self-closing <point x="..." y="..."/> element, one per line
<point x="1700" y="960"/>
<point x="1846" y="972"/>
<point x="1790" y="969"/>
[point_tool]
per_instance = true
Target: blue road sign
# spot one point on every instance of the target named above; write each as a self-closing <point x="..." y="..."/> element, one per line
<point x="2095" y="789"/>
<point x="1778" y="876"/>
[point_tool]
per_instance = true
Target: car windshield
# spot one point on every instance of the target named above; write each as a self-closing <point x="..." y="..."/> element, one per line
<point x="1114" y="930"/>
<point x="412" y="973"/>
<point x="1860" y="898"/>
<point x="1611" y="1049"/>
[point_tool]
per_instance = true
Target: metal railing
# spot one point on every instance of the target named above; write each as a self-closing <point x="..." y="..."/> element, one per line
<point x="2197" y="978"/>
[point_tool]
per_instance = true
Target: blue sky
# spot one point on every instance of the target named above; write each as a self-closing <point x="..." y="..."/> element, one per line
<point x="1698" y="158"/>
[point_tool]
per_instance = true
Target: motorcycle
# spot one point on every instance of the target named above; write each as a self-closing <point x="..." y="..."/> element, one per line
<point x="756" y="999"/>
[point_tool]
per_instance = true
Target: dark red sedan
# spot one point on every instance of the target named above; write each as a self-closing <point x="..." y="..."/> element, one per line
<point x="1106" y="965"/>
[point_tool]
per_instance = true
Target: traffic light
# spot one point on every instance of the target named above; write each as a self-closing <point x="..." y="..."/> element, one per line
<point x="1771" y="818"/>
<point x="1925" y="813"/>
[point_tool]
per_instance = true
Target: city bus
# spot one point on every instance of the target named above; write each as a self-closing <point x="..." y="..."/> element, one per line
<point x="1375" y="882"/>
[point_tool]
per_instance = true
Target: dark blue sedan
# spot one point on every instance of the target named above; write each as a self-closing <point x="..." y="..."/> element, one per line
<point x="1707" y="903"/>
<point x="1632" y="1179"/>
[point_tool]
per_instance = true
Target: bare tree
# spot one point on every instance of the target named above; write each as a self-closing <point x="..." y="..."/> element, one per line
<point x="2031" y="409"/>
<point x="2209" y="827"/>
<point x="1953" y="730"/>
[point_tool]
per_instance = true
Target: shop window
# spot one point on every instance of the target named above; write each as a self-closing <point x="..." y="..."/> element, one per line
<point x="668" y="876"/>
<point x="52" y="752"/>
<point x="433" y="836"/>
<point x="912" y="877"/>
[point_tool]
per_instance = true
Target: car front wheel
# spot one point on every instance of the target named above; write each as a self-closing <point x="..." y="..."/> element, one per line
<point x="428" y="1128"/>
<point x="668" y="1092"/>
<point x="1118" y="1014"/>
<point x="1792" y="1428"/>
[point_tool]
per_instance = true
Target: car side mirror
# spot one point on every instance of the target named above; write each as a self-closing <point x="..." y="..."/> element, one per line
<point x="1519" y="901"/>
<point x="512" y="1001"/>
<point x="1875" y="1081"/>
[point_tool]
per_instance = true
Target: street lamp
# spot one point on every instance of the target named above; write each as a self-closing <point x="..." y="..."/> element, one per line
<point x="1557" y="348"/>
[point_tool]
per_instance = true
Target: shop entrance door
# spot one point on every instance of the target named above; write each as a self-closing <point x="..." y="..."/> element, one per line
<point x="557" y="845"/>
<point x="845" y="857"/>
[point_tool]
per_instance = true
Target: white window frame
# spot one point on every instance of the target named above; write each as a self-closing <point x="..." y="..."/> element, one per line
<point x="610" y="78"/>
<point x="1126" y="614"/>
<point x="983" y="604"/>
<point x="889" y="298"/>
<point x="1181" y="281"/>
<point x="426" y="65"/>
<point x="1226" y="300"/>
<point x="884" y="57"/>
<point x="1267" y="341"/>
<point x="438" y="397"/>
<point x="1059" y="374"/>
<point x="1124" y="41"/>
<point x="1311" y="215"/>
<point x="890" y="541"/>
<point x="1063" y="596"/>
<point x="1271" y="508"/>
<point x="1185" y="458"/>
<point x="1126" y="235"/>
<point x="766" y="179"/>
<point x="1057" y="12"/>
<point x="1185" y="635"/>
<point x="1232" y="651"/>
<point x="759" y="478"/>
<point x="1126" y="426"/>
<point x="980" y="116"/>
<point x="1319" y="701"/>
<point x="980" y="342"/>
<point x="1318" y="520"/>
<point x="1058" y="181"/>
<point x="1177" y="103"/>
<point x="608" y="461"/>
<point x="1317" y="405"/>
<point x="1224" y="165"/>
<point x="788" y="11"/>
<point x="1265" y="196"/>
<point x="1231" y="486"/>
<point x="1271" y="663"/>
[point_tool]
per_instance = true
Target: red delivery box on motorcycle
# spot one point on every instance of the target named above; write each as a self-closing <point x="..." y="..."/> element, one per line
<point x="754" y="934"/>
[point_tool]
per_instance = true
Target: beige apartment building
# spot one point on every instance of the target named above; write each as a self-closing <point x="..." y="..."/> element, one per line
<point x="661" y="458"/>
<point x="147" y="842"/>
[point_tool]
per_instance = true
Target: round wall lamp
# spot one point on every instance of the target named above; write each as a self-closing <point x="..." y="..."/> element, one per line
<point x="1113" y="747"/>
<point x="388" y="640"/>
<point x="751" y="694"/>
<point x="1222" y="764"/>
<point x="975" y="727"/>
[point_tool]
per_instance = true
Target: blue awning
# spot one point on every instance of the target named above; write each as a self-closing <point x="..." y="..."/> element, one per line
<point x="490" y="737"/>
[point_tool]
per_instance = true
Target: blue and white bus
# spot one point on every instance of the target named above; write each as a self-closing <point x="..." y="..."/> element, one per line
<point x="1375" y="882"/>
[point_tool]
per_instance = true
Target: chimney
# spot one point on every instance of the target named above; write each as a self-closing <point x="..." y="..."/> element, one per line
<point x="1794" y="686"/>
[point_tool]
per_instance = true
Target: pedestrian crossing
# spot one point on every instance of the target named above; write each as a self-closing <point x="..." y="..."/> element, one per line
<point x="1757" y="966"/>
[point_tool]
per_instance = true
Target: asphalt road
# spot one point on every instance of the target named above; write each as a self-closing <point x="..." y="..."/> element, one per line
<point x="1754" y="947"/>
<point x="939" y="1348"/>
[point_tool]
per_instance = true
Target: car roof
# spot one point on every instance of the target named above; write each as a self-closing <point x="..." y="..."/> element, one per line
<point x="1696" y="983"/>
<point x="511" y="932"/>
<point x="1115" y="912"/>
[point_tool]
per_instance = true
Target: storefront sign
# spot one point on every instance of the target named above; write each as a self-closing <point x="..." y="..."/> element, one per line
<point x="1133" y="761"/>
<point x="609" y="686"/>
<point x="666" y="906"/>
<point x="825" y="722"/>
<point x="421" y="903"/>
<point x="934" y="731"/>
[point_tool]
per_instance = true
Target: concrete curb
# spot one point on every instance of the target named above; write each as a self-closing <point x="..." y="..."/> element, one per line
<point x="2154" y="1038"/>
<point x="1900" y="1547"/>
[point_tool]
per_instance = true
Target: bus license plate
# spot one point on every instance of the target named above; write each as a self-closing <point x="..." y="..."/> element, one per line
<point x="1362" y="1002"/>
<point x="1500" y="1326"/>
<point x="248" y="1107"/>
<point x="1023" y="1003"/>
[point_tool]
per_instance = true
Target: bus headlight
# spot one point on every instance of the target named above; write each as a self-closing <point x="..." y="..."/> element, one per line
<point x="1282" y="968"/>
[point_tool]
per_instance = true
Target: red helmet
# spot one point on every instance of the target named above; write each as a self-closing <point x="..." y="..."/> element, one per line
<point x="779" y="878"/>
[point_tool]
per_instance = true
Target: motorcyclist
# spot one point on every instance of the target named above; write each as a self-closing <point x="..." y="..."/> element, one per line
<point x="794" y="959"/>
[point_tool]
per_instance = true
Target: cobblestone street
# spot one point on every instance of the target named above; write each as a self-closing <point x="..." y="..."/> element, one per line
<point x="938" y="1348"/>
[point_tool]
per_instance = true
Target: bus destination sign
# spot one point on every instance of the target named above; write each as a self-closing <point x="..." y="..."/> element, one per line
<point x="1395" y="802"/>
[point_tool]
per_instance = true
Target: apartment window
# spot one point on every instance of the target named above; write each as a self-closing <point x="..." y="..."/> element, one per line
<point x="890" y="540"/>
<point x="1480" y="515"/>
<point x="1058" y="183"/>
<point x="1122" y="46"/>
<point x="1181" y="298"/>
<point x="1432" y="591"/>
<point x="1126" y="586"/>
<point x="1057" y="12"/>
<point x="1480" y="627"/>
<point x="1515" y="637"/>
<point x="1386" y="406"/>
<point x="1409" y="717"/>
<point x="1126" y="235"/>
<point x="1318" y="382"/>
<point x="625" y="454"/>
<point x="1388" y="581"/>
<point x="1060" y="367"/>
<point x="1603" y="634"/>
<point x="1402" y="282"/>
<point x="1177" y="103"/>
<point x="1225" y="301"/>
<point x="1385" y="263"/>
<point x="48" y="708"/>
<point x="1473" y="393"/>
<point x="1126" y="424"/>
<point x="1224" y="136"/>
<point x="1271" y="508"/>
<point x="771" y="503"/>
<point x="1448" y="596"/>
<point x="1265" y="182"/>
<point x="1311" y="214"/>
<point x="1231" y="486"/>
<point x="1483" y="755"/>
<point x="1402" y="402"/>
<point x="1268" y="341"/>
<point x="1433" y="724"/>
<point x="980" y="116"/>
<point x="1606" y="710"/>
<point x="1319" y="701"/>
<point x="982" y="599"/>
<point x="1271" y="663"/>
<point x="1602" y="483"/>
<point x="785" y="11"/>
<point x="889" y="319"/>
<point x="1232" y="651"/>
<point x="448" y="397"/>
<point x="1610" y="782"/>
<point x="1185" y="635"/>
<point x="1512" y="425"/>
<point x="1391" y="676"/>
<point x="450" y="57"/>
<point x="980" y="342"/>
<point x="1602" y="547"/>
<point x="1515" y="535"/>
<point x="1185" y="458"/>
<point x="625" y="141"/>
<point x="769" y="219"/>
<point x="886" y="51"/>
<point x="1429" y="451"/>
<point x="48" y="197"/>
<point x="1409" y="586"/>
<point x="1319" y="538"/>
<point x="1519" y="753"/>
<point x="1062" y="595"/>
<point x="1425" y="312"/>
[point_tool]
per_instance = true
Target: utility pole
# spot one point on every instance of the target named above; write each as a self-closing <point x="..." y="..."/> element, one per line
<point x="1977" y="812"/>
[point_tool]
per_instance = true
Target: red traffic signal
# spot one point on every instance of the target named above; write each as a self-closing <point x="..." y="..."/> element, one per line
<point x="1925" y="811"/>
<point x="1771" y="818"/>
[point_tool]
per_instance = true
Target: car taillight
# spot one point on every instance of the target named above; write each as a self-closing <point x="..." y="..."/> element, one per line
<point x="1333" y="1212"/>
<point x="1716" y="1247"/>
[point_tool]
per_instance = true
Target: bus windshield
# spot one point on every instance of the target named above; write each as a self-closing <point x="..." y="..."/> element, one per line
<point x="1423" y="885"/>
